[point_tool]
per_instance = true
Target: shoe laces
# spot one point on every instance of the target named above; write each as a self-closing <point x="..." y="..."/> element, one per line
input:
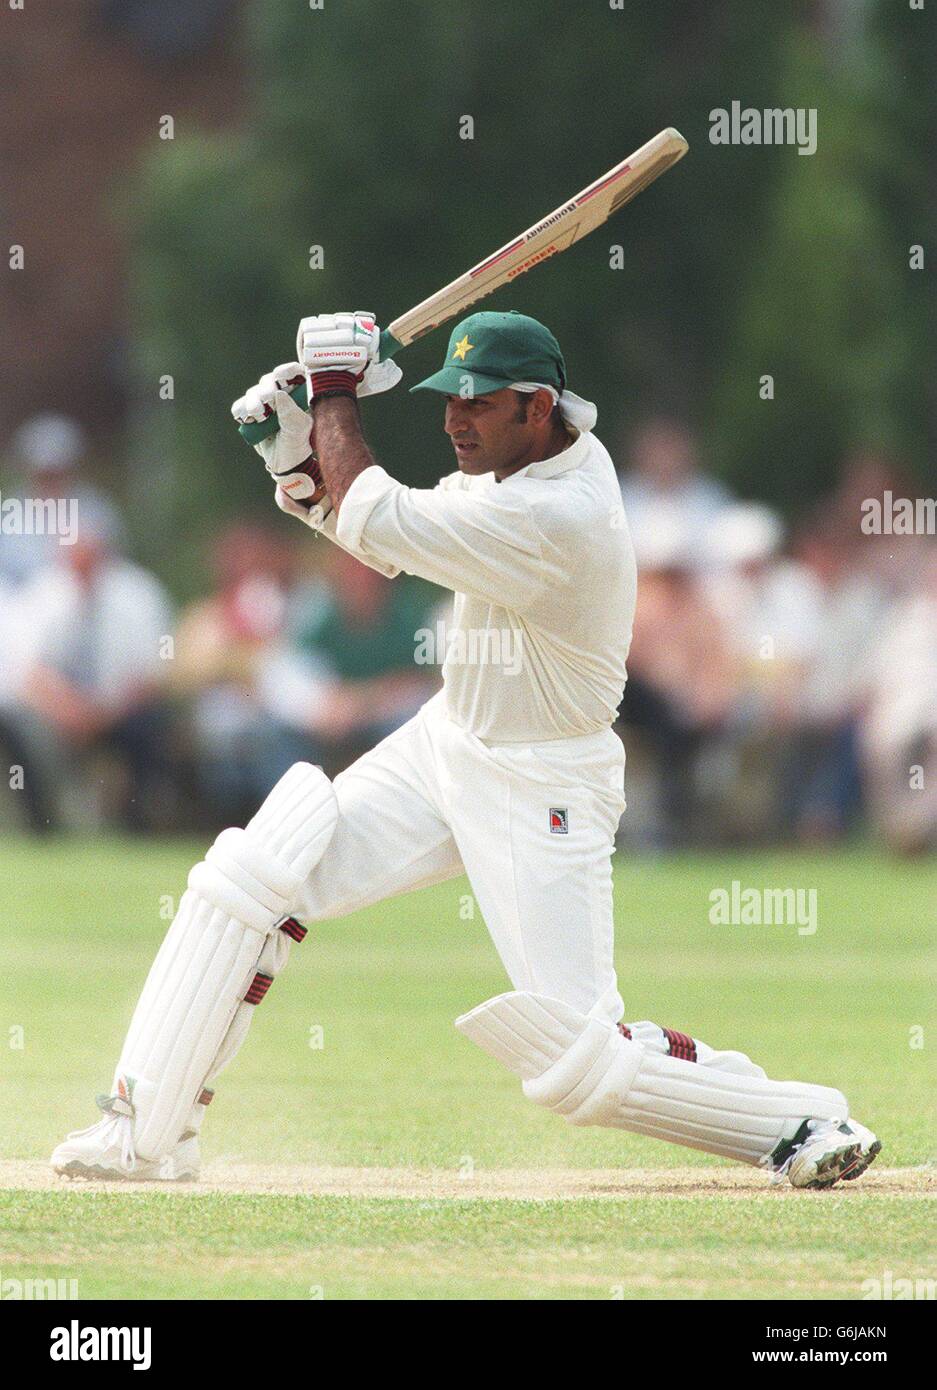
<point x="779" y="1173"/>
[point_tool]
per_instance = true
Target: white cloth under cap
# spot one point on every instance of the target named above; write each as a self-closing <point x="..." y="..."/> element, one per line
<point x="580" y="414"/>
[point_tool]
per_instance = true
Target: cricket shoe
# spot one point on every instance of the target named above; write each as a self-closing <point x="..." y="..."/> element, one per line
<point x="823" y="1152"/>
<point x="105" y="1150"/>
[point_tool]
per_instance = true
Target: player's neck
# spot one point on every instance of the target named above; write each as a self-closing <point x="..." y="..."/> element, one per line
<point x="558" y="440"/>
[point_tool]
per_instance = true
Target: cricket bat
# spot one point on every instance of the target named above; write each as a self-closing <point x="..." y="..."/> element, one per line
<point x="556" y="232"/>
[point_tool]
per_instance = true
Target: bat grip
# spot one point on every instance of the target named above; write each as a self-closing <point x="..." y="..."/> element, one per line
<point x="262" y="429"/>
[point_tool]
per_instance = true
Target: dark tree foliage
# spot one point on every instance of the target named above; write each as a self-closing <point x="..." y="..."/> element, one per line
<point x="742" y="261"/>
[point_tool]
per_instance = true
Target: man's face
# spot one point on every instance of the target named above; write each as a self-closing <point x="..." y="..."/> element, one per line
<point x="85" y="559"/>
<point x="490" y="433"/>
<point x="665" y="454"/>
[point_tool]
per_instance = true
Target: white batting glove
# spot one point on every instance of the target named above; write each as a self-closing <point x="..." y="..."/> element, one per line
<point x="339" y="354"/>
<point x="288" y="455"/>
<point x="313" y="514"/>
<point x="259" y="402"/>
<point x="346" y="342"/>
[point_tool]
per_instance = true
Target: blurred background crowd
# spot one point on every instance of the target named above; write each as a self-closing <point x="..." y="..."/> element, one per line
<point x="782" y="686"/>
<point x="173" y="207"/>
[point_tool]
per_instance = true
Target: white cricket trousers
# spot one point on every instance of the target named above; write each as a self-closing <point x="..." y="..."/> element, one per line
<point x="532" y="825"/>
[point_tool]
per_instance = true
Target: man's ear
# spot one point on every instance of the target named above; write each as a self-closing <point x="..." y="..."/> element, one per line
<point x="541" y="407"/>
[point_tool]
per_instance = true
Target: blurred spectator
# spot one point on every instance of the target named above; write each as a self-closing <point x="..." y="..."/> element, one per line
<point x="770" y="609"/>
<point x="863" y="474"/>
<point x="222" y="644"/>
<point x="47" y="454"/>
<point x="867" y="477"/>
<point x="665" y="477"/>
<point x="93" y="676"/>
<point x="899" y="731"/>
<point x="19" y="633"/>
<point x="822" y="798"/>
<point x="680" y="671"/>
<point x="347" y="676"/>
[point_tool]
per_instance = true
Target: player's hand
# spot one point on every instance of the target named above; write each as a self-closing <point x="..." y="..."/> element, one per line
<point x="260" y="402"/>
<point x="339" y="352"/>
<point x="338" y="341"/>
<point x="288" y="455"/>
<point x="313" y="513"/>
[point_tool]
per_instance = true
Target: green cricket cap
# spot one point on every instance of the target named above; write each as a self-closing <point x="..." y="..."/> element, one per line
<point x="489" y="351"/>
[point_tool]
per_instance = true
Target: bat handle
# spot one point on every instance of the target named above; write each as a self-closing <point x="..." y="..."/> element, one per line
<point x="262" y="429"/>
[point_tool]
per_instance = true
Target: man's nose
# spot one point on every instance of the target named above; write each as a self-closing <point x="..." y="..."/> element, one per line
<point x="456" y="421"/>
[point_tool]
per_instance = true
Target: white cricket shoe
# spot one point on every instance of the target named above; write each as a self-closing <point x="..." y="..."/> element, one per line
<point x="823" y="1152"/>
<point x="105" y="1151"/>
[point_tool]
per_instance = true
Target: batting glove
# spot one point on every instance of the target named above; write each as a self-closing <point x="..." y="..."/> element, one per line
<point x="336" y="351"/>
<point x="288" y="455"/>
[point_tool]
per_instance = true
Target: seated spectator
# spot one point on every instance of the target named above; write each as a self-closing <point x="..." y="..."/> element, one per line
<point x="222" y="643"/>
<point x="48" y="452"/>
<point x="770" y="610"/>
<point x="19" y="631"/>
<point x="94" y="679"/>
<point x="680" y="671"/>
<point x="864" y="474"/>
<point x="347" y="676"/>
<point x="822" y="797"/>
<point x="899" y="726"/>
<point x="665" y="476"/>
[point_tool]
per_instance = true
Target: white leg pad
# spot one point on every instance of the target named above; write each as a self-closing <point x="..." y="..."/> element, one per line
<point x="219" y="956"/>
<point x="585" y="1069"/>
<point x="654" y="1039"/>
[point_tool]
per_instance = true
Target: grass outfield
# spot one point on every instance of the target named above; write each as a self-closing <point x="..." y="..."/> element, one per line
<point x="395" y="1160"/>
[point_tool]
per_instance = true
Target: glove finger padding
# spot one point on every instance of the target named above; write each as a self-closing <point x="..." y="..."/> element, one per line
<point x="258" y="402"/>
<point x="342" y="341"/>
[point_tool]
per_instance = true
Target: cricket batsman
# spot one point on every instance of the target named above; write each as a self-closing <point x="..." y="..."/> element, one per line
<point x="511" y="774"/>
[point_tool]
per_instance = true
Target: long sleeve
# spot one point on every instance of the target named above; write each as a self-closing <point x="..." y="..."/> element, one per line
<point x="328" y="528"/>
<point x="482" y="542"/>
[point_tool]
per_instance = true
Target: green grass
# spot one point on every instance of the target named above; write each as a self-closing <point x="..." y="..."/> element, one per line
<point x="219" y="1246"/>
<point x="395" y="1086"/>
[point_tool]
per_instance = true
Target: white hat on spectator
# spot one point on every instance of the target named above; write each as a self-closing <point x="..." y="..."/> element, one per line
<point x="663" y="540"/>
<point x="50" y="442"/>
<point x="743" y="534"/>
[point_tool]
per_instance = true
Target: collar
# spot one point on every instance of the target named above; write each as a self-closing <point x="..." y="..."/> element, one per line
<point x="552" y="467"/>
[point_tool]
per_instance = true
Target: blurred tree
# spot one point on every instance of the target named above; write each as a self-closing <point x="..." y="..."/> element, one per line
<point x="829" y="306"/>
<point x="742" y="260"/>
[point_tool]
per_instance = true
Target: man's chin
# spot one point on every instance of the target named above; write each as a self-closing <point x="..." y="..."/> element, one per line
<point x="473" y="463"/>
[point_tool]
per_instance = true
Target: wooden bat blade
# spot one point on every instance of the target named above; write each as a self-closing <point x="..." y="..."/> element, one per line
<point x="560" y="229"/>
<point x="556" y="232"/>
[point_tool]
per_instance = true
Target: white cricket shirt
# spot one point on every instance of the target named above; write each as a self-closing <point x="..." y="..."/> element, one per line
<point x="543" y="573"/>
